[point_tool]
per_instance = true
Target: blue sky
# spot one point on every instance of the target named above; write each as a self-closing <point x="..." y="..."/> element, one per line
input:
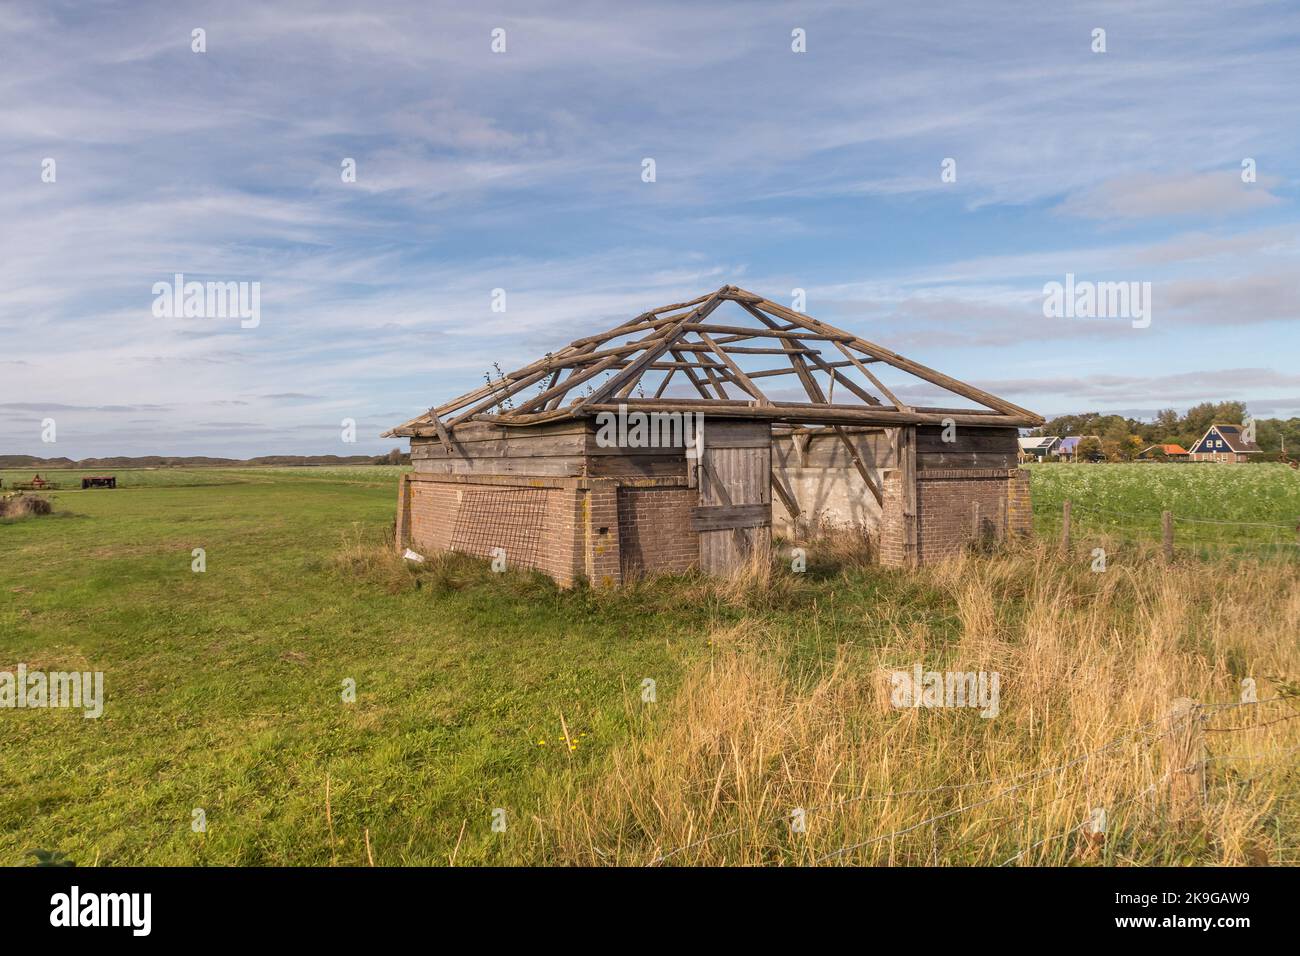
<point x="522" y="170"/>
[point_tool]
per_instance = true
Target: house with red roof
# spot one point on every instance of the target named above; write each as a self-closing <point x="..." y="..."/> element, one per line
<point x="1171" y="452"/>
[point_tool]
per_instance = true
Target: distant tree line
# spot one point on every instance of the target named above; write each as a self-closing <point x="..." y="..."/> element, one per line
<point x="1122" y="439"/>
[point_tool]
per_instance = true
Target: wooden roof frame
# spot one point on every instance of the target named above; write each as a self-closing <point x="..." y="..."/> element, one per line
<point x="680" y="338"/>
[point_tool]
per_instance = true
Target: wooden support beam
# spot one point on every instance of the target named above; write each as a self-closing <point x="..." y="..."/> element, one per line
<point x="514" y="381"/>
<point x="495" y="399"/>
<point x="581" y="375"/>
<point x="815" y="357"/>
<point x="716" y="378"/>
<point x="872" y="378"/>
<point x="898" y="361"/>
<point x="590" y="356"/>
<point x="907" y="465"/>
<point x="800" y="443"/>
<point x="736" y="372"/>
<point x="646" y="320"/>
<point x="654" y="348"/>
<point x="687" y="367"/>
<point x="442" y="433"/>
<point x="815" y="393"/>
<point x="752" y="333"/>
<point x="793" y="412"/>
<point x="714" y="375"/>
<point x="663" y="386"/>
<point x="861" y="467"/>
<point x="754" y="350"/>
<point x="769" y="372"/>
<point x="787" y="498"/>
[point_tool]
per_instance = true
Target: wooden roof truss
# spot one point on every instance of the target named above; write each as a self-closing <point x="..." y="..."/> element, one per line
<point x="634" y="363"/>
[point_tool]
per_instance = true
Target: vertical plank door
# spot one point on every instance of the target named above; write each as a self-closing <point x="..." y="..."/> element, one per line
<point x="734" y="517"/>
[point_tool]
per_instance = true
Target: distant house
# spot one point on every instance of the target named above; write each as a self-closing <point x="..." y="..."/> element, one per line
<point x="1176" y="452"/>
<point x="1037" y="449"/>
<point x="1223" y="443"/>
<point x="1068" y="446"/>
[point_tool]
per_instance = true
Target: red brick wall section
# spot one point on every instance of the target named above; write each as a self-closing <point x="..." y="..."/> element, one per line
<point x="562" y="554"/>
<point x="655" y="531"/>
<point x="944" y="506"/>
<point x="943" y="502"/>
<point x="1020" y="507"/>
<point x="891" y="520"/>
<point x="402" y="526"/>
<point x="435" y="508"/>
<point x="600" y="533"/>
<point x="604" y="568"/>
<point x="609" y="534"/>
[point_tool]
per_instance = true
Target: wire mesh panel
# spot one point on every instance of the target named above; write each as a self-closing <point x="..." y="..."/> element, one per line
<point x="508" y="518"/>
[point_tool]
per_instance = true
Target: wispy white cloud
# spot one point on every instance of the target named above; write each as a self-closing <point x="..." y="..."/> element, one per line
<point x="522" y="171"/>
<point x="1149" y="196"/>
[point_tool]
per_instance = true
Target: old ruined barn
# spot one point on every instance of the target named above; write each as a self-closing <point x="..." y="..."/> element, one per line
<point x="681" y="438"/>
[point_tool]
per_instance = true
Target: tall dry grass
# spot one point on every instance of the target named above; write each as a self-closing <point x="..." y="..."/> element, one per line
<point x="23" y="505"/>
<point x="1089" y="663"/>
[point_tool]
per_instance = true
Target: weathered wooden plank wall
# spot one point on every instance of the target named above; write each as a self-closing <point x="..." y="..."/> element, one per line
<point x="735" y="477"/>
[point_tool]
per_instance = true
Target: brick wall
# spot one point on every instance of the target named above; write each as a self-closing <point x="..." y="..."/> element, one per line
<point x="891" y="519"/>
<point x="945" y="519"/>
<point x="655" y="530"/>
<point x="945" y="516"/>
<point x="1020" y="506"/>
<point x="433" y="510"/>
<point x="402" y="524"/>
<point x="598" y="529"/>
<point x="601" y="535"/>
<point x="608" y="530"/>
<point x="536" y="527"/>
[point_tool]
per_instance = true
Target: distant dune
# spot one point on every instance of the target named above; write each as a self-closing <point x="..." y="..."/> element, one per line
<point x="160" y="461"/>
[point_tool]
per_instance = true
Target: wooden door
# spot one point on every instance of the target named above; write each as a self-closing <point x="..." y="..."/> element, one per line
<point x="734" y="516"/>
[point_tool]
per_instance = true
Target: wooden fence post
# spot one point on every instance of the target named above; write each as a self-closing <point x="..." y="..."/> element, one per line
<point x="1167" y="533"/>
<point x="1065" y="526"/>
<point x="907" y="467"/>
<point x="402" y="523"/>
<point x="1184" y="757"/>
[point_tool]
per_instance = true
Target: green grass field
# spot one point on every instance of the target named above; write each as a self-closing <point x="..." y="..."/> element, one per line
<point x="225" y="686"/>
<point x="70" y="479"/>
<point x="1243" y="508"/>
<point x="474" y="691"/>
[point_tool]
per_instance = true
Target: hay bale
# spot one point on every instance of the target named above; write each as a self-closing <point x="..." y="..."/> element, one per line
<point x="22" y="505"/>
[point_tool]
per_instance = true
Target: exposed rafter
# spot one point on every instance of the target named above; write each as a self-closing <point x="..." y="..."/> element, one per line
<point x="602" y="372"/>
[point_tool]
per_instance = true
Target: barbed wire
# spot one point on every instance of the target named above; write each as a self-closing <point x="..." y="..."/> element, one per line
<point x="1242" y="524"/>
<point x="1189" y="768"/>
<point x="1280" y="753"/>
<point x="1075" y="829"/>
<point x="1089" y="509"/>
<point x="1267" y="723"/>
